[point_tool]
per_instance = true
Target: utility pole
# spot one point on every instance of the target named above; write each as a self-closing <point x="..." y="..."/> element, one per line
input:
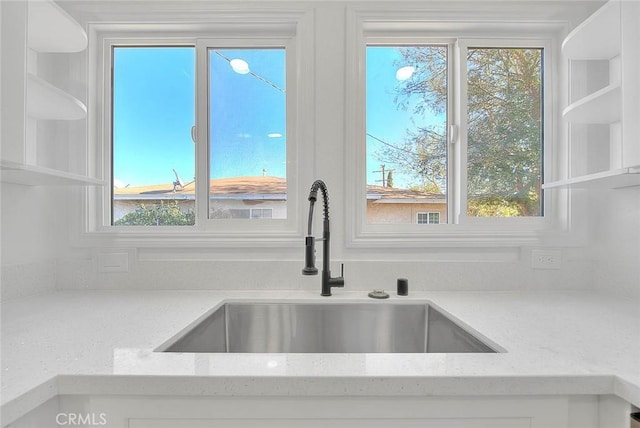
<point x="384" y="171"/>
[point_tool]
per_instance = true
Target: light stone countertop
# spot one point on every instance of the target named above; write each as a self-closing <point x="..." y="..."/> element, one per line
<point x="102" y="342"/>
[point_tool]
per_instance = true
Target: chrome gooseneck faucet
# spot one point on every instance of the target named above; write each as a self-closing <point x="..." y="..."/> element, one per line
<point x="310" y="243"/>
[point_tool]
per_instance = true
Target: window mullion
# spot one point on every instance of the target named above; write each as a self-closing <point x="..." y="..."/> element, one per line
<point x="459" y="100"/>
<point x="453" y="133"/>
<point x="202" y="134"/>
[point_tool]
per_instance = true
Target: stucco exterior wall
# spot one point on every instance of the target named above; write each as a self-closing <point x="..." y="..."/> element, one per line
<point x="402" y="213"/>
<point x="218" y="207"/>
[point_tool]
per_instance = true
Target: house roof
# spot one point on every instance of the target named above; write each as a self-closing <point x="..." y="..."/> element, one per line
<point x="391" y="195"/>
<point x="263" y="187"/>
<point x="258" y="187"/>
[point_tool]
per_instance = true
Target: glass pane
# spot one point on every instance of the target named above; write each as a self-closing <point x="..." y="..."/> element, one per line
<point x="504" y="132"/>
<point x="247" y="131"/>
<point x="406" y="127"/>
<point x="153" y="152"/>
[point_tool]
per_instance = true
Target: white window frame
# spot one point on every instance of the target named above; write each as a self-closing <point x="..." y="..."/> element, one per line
<point x="202" y="135"/>
<point x="380" y="27"/>
<point x="462" y="46"/>
<point x="292" y="30"/>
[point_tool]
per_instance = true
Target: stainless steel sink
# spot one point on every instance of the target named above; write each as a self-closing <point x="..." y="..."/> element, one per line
<point x="326" y="328"/>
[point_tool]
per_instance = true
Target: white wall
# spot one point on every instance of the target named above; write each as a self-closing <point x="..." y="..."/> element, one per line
<point x="435" y="269"/>
<point x="36" y="233"/>
<point x="615" y="240"/>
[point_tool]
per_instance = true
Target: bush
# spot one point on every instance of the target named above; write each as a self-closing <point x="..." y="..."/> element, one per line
<point x="159" y="214"/>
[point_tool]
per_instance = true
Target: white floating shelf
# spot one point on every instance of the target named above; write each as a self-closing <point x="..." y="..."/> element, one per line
<point x="598" y="37"/>
<point x="33" y="175"/>
<point x="52" y="29"/>
<point x="45" y="101"/>
<point x="603" y="106"/>
<point x="614" y="179"/>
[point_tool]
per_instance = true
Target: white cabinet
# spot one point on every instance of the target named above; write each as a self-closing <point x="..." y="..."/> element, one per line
<point x="337" y="422"/>
<point x="200" y="411"/>
<point x="318" y="412"/>
<point x="44" y="117"/>
<point x="603" y="114"/>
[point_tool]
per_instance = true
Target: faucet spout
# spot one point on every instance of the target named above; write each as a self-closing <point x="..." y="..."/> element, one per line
<point x="310" y="257"/>
<point x="309" y="269"/>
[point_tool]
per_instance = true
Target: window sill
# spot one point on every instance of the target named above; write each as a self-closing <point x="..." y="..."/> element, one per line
<point x="168" y="237"/>
<point x="491" y="234"/>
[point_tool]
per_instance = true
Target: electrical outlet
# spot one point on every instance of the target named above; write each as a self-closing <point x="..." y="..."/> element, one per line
<point x="546" y="259"/>
<point x="113" y="262"/>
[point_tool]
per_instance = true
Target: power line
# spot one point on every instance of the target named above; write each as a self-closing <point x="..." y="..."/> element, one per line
<point x="391" y="145"/>
<point x="268" y="82"/>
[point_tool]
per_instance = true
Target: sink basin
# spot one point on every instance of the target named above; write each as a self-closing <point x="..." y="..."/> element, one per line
<point x="326" y="328"/>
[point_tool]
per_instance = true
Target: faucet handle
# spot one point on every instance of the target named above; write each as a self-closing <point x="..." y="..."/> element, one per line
<point x="338" y="281"/>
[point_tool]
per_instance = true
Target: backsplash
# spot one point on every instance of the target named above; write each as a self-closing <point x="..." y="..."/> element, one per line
<point x="34" y="230"/>
<point x="37" y="258"/>
<point x="359" y="275"/>
<point x="615" y="226"/>
<point x="22" y="280"/>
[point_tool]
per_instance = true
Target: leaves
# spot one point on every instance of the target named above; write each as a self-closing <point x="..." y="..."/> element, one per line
<point x="504" y="154"/>
<point x="504" y="135"/>
<point x="159" y="214"/>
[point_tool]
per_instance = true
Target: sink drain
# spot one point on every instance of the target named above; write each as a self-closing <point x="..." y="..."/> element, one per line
<point x="378" y="294"/>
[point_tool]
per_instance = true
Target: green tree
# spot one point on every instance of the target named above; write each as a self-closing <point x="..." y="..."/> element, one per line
<point x="504" y="134"/>
<point x="505" y="127"/>
<point x="424" y="150"/>
<point x="390" y="179"/>
<point x="424" y="154"/>
<point x="158" y="214"/>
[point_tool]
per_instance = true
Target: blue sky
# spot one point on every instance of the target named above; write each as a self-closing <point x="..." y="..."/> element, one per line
<point x="154" y="110"/>
<point x="385" y="120"/>
<point x="247" y="115"/>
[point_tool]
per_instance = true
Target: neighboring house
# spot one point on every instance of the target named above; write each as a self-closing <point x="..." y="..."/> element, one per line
<point x="405" y="206"/>
<point x="266" y="197"/>
<point x="237" y="197"/>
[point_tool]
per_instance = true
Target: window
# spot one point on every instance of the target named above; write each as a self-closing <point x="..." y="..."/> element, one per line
<point x="247" y="130"/>
<point x="504" y="132"/>
<point x="251" y="213"/>
<point x="406" y="134"/>
<point x="157" y="166"/>
<point x="218" y="104"/>
<point x="153" y="113"/>
<point x="261" y="213"/>
<point x="428" y="218"/>
<point x="486" y="162"/>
